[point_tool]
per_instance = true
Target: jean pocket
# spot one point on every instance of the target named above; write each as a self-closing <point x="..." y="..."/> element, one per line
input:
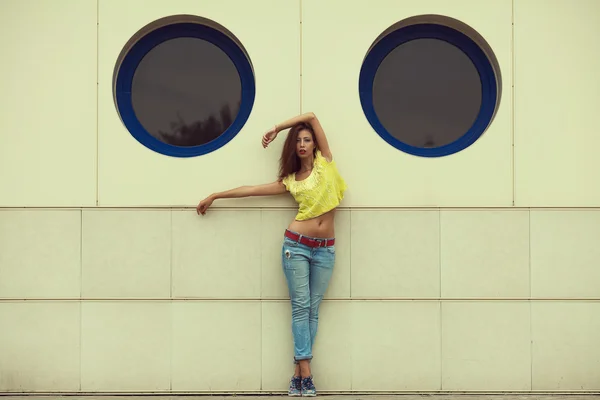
<point x="289" y="242"/>
<point x="331" y="249"/>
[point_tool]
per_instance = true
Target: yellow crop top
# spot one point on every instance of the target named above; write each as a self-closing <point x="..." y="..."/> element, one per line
<point x="320" y="192"/>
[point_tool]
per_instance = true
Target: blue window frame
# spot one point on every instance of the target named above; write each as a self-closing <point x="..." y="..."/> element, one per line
<point x="440" y="32"/>
<point x="131" y="61"/>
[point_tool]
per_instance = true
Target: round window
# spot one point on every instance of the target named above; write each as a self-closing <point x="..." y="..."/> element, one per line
<point x="184" y="89"/>
<point x="428" y="89"/>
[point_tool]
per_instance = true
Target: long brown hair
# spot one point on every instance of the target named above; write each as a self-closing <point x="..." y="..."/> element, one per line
<point x="289" y="161"/>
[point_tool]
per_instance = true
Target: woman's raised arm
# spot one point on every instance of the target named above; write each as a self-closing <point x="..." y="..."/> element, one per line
<point x="309" y="118"/>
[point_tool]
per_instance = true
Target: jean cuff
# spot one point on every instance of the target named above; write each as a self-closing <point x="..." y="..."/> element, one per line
<point x="296" y="359"/>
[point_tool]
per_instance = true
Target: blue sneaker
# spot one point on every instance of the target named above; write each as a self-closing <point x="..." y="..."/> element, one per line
<point x="295" y="389"/>
<point x="308" y="387"/>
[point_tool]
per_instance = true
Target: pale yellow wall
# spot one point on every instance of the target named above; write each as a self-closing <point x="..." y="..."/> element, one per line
<point x="48" y="103"/>
<point x="132" y="175"/>
<point x="557" y="96"/>
<point x="142" y="300"/>
<point x="551" y="102"/>
<point x="131" y="299"/>
<point x="382" y="175"/>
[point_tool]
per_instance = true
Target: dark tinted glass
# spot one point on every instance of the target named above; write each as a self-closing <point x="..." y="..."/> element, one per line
<point x="427" y="93"/>
<point x="186" y="92"/>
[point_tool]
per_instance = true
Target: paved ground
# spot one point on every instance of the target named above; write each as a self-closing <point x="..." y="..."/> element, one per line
<point x="326" y="396"/>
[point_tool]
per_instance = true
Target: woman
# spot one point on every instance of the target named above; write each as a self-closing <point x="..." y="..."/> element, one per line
<point x="307" y="171"/>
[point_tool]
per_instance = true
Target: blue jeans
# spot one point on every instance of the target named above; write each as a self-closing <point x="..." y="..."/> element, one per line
<point x="308" y="271"/>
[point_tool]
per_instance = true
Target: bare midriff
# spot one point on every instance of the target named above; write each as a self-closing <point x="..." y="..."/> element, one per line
<point x="319" y="227"/>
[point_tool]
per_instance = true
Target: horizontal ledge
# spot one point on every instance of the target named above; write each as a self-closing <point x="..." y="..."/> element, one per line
<point x="293" y="208"/>
<point x="333" y="299"/>
<point x="520" y="393"/>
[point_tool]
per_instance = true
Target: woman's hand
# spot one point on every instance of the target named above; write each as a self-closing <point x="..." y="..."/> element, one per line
<point x="269" y="136"/>
<point x="203" y="205"/>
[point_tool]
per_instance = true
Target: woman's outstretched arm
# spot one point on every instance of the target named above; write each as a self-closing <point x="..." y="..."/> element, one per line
<point x="268" y="189"/>
<point x="311" y="119"/>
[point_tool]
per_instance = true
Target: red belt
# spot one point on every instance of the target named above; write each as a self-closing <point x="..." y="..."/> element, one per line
<point x="310" y="242"/>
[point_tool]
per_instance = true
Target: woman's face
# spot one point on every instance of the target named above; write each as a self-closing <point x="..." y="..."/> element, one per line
<point x="305" y="145"/>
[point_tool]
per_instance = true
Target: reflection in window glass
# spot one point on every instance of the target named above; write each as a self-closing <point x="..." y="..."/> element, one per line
<point x="186" y="92"/>
<point x="430" y="89"/>
<point x="427" y="93"/>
